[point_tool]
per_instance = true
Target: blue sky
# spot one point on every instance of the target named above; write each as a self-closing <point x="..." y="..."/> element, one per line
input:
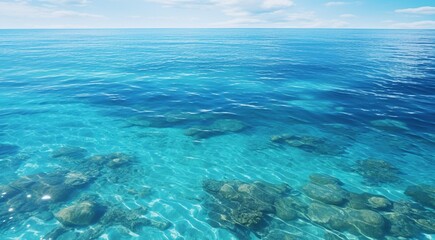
<point x="217" y="13"/>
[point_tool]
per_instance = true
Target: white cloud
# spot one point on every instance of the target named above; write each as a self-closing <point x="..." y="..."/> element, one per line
<point x="180" y="2"/>
<point x="335" y="24"/>
<point x="332" y="4"/>
<point x="242" y="12"/>
<point x="420" y="10"/>
<point x="238" y="22"/>
<point x="67" y="2"/>
<point x="347" y="15"/>
<point x="319" y="23"/>
<point x="234" y="12"/>
<point x="268" y="4"/>
<point x="260" y="13"/>
<point x="415" y="25"/>
<point x="301" y="16"/>
<point x="252" y="6"/>
<point x="310" y="20"/>
<point x="25" y="10"/>
<point x="63" y="13"/>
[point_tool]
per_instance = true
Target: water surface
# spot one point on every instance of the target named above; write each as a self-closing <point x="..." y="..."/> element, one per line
<point x="190" y="106"/>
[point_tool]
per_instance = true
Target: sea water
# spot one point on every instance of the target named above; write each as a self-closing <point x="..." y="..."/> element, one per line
<point x="187" y="125"/>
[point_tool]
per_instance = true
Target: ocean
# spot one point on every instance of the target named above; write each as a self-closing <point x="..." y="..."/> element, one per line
<point x="217" y="134"/>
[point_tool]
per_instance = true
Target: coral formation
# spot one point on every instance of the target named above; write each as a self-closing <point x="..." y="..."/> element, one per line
<point x="80" y="214"/>
<point x="423" y="194"/>
<point x="245" y="208"/>
<point x="43" y="195"/>
<point x="101" y="216"/>
<point x="37" y="193"/>
<point x="376" y="172"/>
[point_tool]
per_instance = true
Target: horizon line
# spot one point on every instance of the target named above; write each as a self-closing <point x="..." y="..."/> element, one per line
<point x="138" y="28"/>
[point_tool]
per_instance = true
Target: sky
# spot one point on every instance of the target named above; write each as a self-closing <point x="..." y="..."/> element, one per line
<point x="217" y="14"/>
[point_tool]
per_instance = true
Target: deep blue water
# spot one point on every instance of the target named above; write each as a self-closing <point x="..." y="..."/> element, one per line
<point x="188" y="106"/>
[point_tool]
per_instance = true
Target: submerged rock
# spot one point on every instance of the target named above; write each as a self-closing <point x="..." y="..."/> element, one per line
<point x="366" y="222"/>
<point x="379" y="202"/>
<point x="377" y="172"/>
<point x="48" y="187"/>
<point x="323" y="179"/>
<point x="271" y="190"/>
<point x="8" y="149"/>
<point x="389" y="124"/>
<point x="288" y="208"/>
<point x="247" y="217"/>
<point x="101" y="216"/>
<point x="227" y="125"/>
<point x="421" y="217"/>
<point x="327" y="216"/>
<point x="98" y="160"/>
<point x="401" y="225"/>
<point x="219" y="127"/>
<point x="80" y="214"/>
<point x="34" y="195"/>
<point x="423" y="194"/>
<point x="329" y="193"/>
<point x="75" y="179"/>
<point x="408" y="208"/>
<point x="363" y="214"/>
<point x="70" y="152"/>
<point x="256" y="196"/>
<point x="43" y="183"/>
<point x="309" y="144"/>
<point x="201" y="132"/>
<point x="118" y="159"/>
<point x="131" y="219"/>
<point x="113" y="160"/>
<point x="368" y="201"/>
<point x="427" y="225"/>
<point x="242" y="207"/>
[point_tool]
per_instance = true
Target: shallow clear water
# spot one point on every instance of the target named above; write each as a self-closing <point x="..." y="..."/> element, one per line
<point x="345" y="96"/>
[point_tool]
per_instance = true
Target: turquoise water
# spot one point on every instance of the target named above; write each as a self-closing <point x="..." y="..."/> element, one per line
<point x="192" y="124"/>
